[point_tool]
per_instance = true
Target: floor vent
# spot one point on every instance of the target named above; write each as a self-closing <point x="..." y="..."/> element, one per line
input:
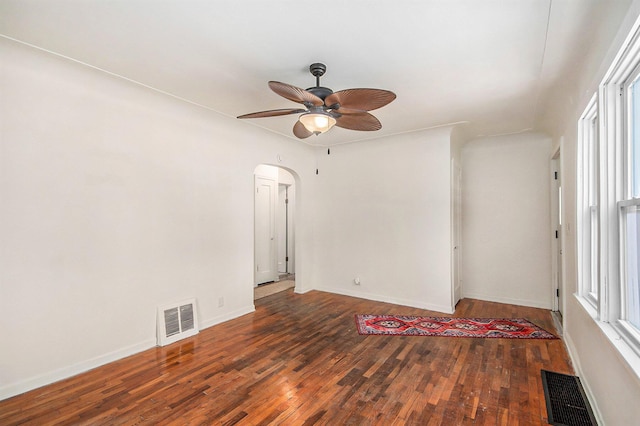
<point x="567" y="404"/>
<point x="177" y="321"/>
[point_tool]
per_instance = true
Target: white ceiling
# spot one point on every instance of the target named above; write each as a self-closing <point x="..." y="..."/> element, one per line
<point x="494" y="64"/>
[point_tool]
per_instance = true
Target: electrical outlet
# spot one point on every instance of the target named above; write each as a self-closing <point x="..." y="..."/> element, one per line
<point x="356" y="280"/>
<point x="220" y="302"/>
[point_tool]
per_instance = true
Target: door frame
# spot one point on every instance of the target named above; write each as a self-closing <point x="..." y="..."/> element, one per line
<point x="273" y="258"/>
<point x="456" y="232"/>
<point x="557" y="242"/>
<point x="286" y="176"/>
<point x="286" y="228"/>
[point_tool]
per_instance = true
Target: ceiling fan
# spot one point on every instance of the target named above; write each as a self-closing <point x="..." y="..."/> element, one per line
<point x="325" y="108"/>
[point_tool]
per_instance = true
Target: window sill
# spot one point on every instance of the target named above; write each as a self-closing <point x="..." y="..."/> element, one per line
<point x="587" y="306"/>
<point x="624" y="351"/>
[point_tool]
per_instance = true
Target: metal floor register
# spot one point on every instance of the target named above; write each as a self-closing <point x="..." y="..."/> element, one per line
<point x="566" y="401"/>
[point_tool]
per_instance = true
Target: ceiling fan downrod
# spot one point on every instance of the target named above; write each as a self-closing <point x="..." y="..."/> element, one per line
<point x="318" y="70"/>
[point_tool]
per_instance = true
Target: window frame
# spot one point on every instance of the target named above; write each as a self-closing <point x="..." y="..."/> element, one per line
<point x="588" y="202"/>
<point x="630" y="333"/>
<point x="614" y="109"/>
<point x="629" y="329"/>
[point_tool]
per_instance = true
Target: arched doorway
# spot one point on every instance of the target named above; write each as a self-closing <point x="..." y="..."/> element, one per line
<point x="274" y="229"/>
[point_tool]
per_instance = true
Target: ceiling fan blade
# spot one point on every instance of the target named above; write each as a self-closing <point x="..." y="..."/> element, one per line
<point x="272" y="113"/>
<point x="363" y="121"/>
<point x="360" y="99"/>
<point x="300" y="131"/>
<point x="295" y="94"/>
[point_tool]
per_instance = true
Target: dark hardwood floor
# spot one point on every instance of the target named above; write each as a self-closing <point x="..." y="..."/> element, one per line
<point x="298" y="360"/>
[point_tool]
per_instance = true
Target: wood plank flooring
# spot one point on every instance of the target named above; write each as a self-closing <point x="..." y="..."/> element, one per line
<point x="298" y="360"/>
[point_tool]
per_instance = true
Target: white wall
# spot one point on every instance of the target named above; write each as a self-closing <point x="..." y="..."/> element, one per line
<point x="384" y="211"/>
<point x="115" y="199"/>
<point x="506" y="229"/>
<point x="611" y="384"/>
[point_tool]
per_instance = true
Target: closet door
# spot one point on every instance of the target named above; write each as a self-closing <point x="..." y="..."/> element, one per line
<point x="265" y="244"/>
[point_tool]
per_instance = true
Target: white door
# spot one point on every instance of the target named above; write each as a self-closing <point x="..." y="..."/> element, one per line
<point x="556" y="206"/>
<point x="456" y="180"/>
<point x="265" y="228"/>
<point x="283" y="234"/>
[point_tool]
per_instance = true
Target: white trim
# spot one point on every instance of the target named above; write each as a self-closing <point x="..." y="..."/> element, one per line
<point x="625" y="352"/>
<point x="81" y="367"/>
<point x="586" y="169"/>
<point x="228" y="316"/>
<point x="555" y="222"/>
<point x="625" y="329"/>
<point x="387" y="299"/>
<point x="575" y="359"/>
<point x="299" y="290"/>
<point x="509" y="300"/>
<point x="630" y="335"/>
<point x="72" y="370"/>
<point x="624" y="63"/>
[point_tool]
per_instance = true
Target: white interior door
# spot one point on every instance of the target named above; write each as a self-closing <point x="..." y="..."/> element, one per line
<point x="265" y="228"/>
<point x="456" y="180"/>
<point x="556" y="206"/>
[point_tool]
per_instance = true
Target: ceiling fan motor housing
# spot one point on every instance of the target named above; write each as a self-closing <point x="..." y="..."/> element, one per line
<point x="321" y="92"/>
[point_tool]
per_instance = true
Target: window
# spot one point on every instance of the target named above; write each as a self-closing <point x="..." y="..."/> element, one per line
<point x="629" y="207"/>
<point x="609" y="197"/>
<point x="588" y="203"/>
<point x="630" y="225"/>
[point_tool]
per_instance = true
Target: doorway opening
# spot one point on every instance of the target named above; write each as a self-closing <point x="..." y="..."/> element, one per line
<point x="274" y="230"/>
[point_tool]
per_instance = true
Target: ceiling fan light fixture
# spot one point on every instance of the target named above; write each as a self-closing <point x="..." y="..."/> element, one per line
<point x="317" y="122"/>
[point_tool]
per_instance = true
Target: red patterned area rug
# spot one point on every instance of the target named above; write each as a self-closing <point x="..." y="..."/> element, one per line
<point x="506" y="328"/>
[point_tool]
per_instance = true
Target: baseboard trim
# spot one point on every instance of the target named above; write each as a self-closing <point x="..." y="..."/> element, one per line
<point x="72" y="370"/>
<point x="299" y="290"/>
<point x="508" y="300"/>
<point x="575" y="360"/>
<point x="387" y="299"/>
<point x="227" y="316"/>
<point x="14" y="389"/>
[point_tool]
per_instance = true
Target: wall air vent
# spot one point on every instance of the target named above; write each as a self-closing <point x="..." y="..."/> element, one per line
<point x="177" y="321"/>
